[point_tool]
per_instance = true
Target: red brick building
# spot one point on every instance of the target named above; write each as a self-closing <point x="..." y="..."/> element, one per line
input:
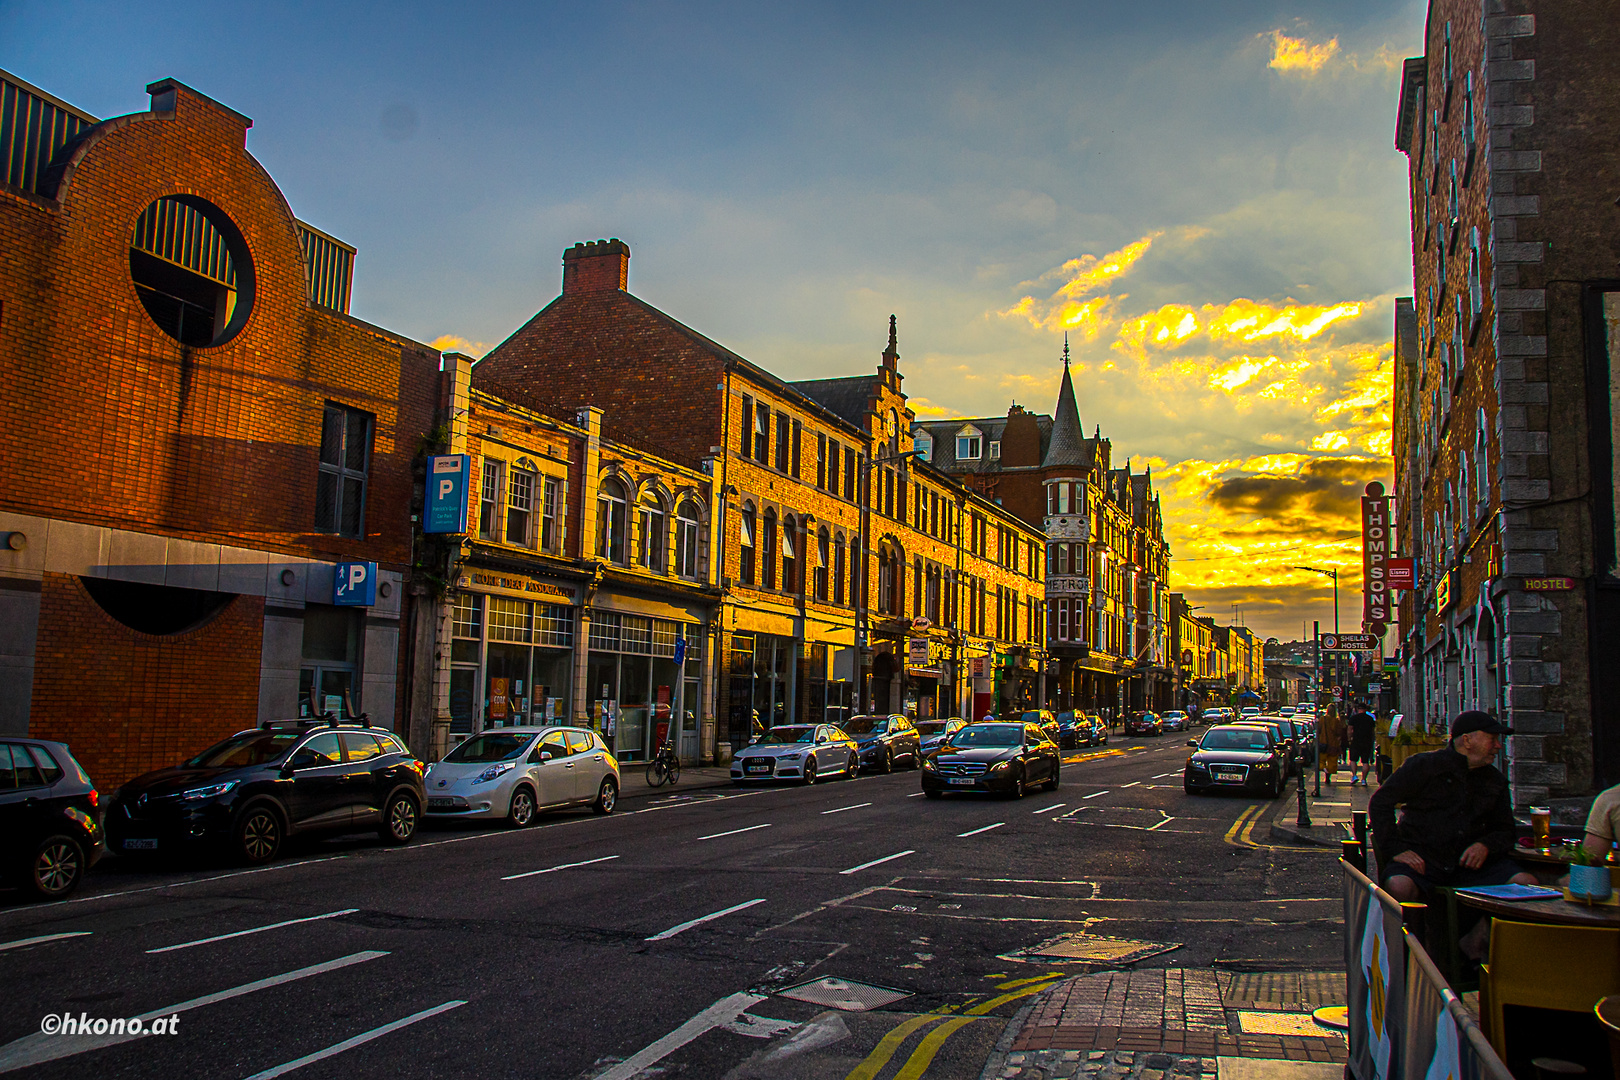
<point x="200" y="434"/>
<point x="852" y="577"/>
<point x="1505" y="372"/>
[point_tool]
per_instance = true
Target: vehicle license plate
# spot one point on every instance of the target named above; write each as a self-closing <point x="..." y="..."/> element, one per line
<point x="965" y="781"/>
<point x="759" y="768"/>
<point x="441" y="804"/>
<point x="140" y="845"/>
<point x="1228" y="774"/>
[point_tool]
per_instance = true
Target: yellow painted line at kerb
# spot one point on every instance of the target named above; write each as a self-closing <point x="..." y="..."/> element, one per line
<point x="996" y="1002"/>
<point x="916" y="1067"/>
<point x="923" y="1056"/>
<point x="1248" y="830"/>
<point x="1025" y="982"/>
<point x="1231" y="834"/>
<point x="884" y="1050"/>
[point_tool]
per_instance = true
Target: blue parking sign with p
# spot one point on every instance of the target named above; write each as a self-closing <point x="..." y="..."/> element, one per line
<point x="447" y="493"/>
<point x="354" y="584"/>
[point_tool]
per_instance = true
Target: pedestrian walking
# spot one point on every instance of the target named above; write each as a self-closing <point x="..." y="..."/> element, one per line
<point x="1361" y="746"/>
<point x="1332" y="735"/>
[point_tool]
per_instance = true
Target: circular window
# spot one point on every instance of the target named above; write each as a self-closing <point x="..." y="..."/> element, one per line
<point x="192" y="270"/>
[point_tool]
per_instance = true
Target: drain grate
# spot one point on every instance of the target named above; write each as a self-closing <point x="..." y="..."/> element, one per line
<point x="1113" y="952"/>
<point x="843" y="994"/>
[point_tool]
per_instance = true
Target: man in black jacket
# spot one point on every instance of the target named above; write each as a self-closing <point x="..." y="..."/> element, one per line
<point x="1456" y="826"/>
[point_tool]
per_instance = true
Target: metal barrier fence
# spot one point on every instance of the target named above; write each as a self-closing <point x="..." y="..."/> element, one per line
<point x="1405" y="1022"/>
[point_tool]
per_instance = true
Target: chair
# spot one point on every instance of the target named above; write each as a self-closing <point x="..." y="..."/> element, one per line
<point x="1545" y="967"/>
<point x="1608" y="1014"/>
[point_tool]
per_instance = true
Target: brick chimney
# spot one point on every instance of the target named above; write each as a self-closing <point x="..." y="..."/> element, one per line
<point x="599" y="266"/>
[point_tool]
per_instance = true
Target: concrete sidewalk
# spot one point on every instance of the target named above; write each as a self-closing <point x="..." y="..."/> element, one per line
<point x="1175" y="1024"/>
<point x="1330" y="814"/>
<point x="633" y="780"/>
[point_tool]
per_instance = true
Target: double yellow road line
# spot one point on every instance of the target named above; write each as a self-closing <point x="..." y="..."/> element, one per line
<point x="1241" y="834"/>
<point x="916" y="1066"/>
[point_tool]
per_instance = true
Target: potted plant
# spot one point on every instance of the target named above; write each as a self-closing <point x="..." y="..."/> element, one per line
<point x="1588" y="876"/>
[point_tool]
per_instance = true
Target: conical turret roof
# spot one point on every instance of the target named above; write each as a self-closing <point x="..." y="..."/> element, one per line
<point x="1068" y="440"/>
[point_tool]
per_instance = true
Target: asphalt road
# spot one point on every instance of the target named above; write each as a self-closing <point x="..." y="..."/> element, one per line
<point x="658" y="937"/>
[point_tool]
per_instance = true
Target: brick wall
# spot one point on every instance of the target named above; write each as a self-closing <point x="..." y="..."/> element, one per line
<point x="140" y="702"/>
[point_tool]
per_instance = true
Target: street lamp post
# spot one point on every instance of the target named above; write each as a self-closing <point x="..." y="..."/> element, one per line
<point x="1316" y="728"/>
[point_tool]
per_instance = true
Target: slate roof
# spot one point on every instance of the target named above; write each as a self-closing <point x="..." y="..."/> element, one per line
<point x="1067" y="445"/>
<point x="992" y="428"/>
<point x="849" y="398"/>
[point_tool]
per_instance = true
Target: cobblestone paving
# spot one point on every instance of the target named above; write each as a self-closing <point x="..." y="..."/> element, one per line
<point x="1159" y="1024"/>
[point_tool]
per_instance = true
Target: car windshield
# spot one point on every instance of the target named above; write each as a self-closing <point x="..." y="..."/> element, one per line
<point x="1033" y="718"/>
<point x="490" y="746"/>
<point x="782" y="736"/>
<point x="866" y="725"/>
<point x="1234" y="739"/>
<point x="929" y="728"/>
<point x="250" y="748"/>
<point x="989" y="735"/>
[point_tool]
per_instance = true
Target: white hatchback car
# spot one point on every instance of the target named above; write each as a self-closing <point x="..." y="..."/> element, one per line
<point x="515" y="772"/>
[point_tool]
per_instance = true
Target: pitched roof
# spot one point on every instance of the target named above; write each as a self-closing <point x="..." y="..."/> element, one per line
<point x="991" y="428"/>
<point x="849" y="398"/>
<point x="1067" y="446"/>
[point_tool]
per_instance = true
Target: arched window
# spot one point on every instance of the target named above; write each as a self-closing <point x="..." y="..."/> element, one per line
<point x="917" y="587"/>
<point x="838" y="570"/>
<point x="823" y="559"/>
<point x="745" y="545"/>
<point x="688" y="534"/>
<point x="611" y="510"/>
<point x="1482" y="479"/>
<point x="767" y="550"/>
<point x="654" y="523"/>
<point x="790" y="555"/>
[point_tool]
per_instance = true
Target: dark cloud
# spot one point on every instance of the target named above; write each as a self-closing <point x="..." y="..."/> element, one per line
<point x="1325" y="488"/>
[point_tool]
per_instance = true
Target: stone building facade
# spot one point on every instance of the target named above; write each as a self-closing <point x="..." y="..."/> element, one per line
<point x="1107" y="584"/>
<point x="201" y="436"/>
<point x="1504" y="370"/>
<point x="852" y="576"/>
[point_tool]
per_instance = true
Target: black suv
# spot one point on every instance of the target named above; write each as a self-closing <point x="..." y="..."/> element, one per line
<point x="261" y="786"/>
<point x="50" y="830"/>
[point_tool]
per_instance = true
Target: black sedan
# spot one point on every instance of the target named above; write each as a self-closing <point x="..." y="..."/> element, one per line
<point x="884" y="741"/>
<point x="1144" y="723"/>
<point x="1003" y="758"/>
<point x="50" y="831"/>
<point x="1235" y="758"/>
<point x="258" y="787"/>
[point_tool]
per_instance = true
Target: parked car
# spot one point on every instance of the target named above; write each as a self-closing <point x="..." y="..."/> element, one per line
<point x="1286" y="710"/>
<point x="934" y="732"/>
<point x="1043" y="719"/>
<point x="799" y="752"/>
<point x="1249" y="710"/>
<point x="1237" y="758"/>
<point x="1144" y="723"/>
<point x="884" y="741"/>
<point x="1175" y="720"/>
<point x="252" y="791"/>
<point x="1282" y="731"/>
<point x="514" y="773"/>
<point x="50" y="821"/>
<point x="1003" y="758"/>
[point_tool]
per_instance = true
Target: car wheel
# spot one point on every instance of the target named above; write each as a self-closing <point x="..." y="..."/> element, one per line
<point x="854" y="767"/>
<point x="1057" y="778"/>
<point x="56" y="868"/>
<point x="521" y="813"/>
<point x="1018" y="788"/>
<point x="258" y="835"/>
<point x="607" y="796"/>
<point x="810" y="771"/>
<point x="399" y="819"/>
<point x="932" y="794"/>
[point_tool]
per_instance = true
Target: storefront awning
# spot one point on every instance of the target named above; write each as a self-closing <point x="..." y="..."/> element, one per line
<point x="641" y="605"/>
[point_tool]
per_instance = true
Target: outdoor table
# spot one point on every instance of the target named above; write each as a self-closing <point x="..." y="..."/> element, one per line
<point x="1560" y="912"/>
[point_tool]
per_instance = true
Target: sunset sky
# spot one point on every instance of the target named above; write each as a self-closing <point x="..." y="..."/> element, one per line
<point x="1204" y="195"/>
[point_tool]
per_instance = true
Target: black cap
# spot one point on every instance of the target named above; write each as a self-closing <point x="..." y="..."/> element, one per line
<point x="1474" y="720"/>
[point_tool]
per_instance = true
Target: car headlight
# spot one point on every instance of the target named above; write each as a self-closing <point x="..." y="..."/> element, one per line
<point x="494" y="771"/>
<point x="1198" y="765"/>
<point x="998" y="766"/>
<point x="209" y="791"/>
<point x="1263" y="765"/>
<point x="929" y="765"/>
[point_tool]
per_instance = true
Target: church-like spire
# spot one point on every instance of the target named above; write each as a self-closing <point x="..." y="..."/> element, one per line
<point x="891" y="355"/>
<point x="1068" y="437"/>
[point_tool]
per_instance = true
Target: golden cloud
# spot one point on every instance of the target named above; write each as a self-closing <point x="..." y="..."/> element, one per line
<point x="1065" y="309"/>
<point x="1299" y="56"/>
<point x="452" y="343"/>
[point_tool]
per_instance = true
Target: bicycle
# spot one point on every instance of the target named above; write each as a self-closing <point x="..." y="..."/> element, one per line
<point x="665" y="766"/>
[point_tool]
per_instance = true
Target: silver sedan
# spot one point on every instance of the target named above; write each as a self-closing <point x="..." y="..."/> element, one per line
<point x="515" y="772"/>
<point x="804" y="752"/>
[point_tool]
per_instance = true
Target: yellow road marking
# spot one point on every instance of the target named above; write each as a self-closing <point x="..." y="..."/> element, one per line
<point x="884" y="1050"/>
<point x="1025" y="982"/>
<point x="1231" y="834"/>
<point x="997" y="1002"/>
<point x="917" y="1065"/>
<point x="1093" y="757"/>
<point x="1248" y="830"/>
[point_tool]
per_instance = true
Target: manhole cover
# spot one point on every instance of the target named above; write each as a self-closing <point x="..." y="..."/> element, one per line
<point x="1272" y="1023"/>
<point x="843" y="994"/>
<point x="1101" y="950"/>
